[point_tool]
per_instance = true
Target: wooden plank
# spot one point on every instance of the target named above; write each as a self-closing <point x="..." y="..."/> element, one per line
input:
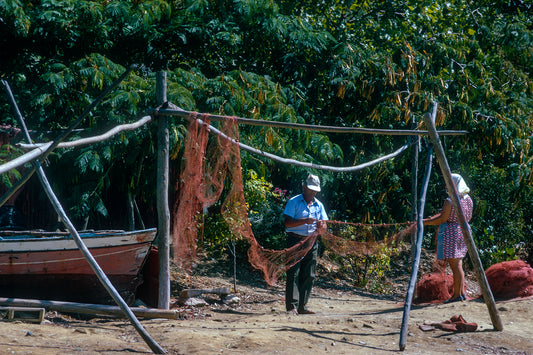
<point x="88" y="308"/>
<point x="25" y="314"/>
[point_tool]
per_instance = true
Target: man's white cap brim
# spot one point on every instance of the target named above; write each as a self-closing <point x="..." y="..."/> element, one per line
<point x="312" y="182"/>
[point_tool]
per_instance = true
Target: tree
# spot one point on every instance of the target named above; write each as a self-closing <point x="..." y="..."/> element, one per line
<point x="361" y="63"/>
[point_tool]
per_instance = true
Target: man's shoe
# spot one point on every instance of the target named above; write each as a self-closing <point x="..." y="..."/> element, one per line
<point x="306" y="311"/>
<point x="292" y="312"/>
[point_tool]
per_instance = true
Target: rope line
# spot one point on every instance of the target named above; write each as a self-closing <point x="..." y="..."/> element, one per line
<point x="374" y="225"/>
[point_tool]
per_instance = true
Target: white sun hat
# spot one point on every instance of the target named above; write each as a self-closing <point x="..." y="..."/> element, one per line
<point x="313" y="182"/>
<point x="460" y="184"/>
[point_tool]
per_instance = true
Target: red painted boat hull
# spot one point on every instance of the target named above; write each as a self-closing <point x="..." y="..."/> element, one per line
<point x="53" y="268"/>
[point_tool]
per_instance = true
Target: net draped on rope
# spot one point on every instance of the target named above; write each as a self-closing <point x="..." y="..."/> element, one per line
<point x="208" y="164"/>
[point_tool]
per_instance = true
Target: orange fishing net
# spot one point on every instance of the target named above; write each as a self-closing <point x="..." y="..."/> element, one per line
<point x="208" y="164"/>
<point x="510" y="279"/>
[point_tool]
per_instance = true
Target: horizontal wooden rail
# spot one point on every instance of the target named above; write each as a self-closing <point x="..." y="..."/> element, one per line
<point x="94" y="139"/>
<point x="307" y="127"/>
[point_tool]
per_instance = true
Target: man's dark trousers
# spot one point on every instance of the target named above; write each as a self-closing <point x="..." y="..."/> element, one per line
<point x="300" y="278"/>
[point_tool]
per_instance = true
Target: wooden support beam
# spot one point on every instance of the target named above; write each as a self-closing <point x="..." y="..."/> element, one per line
<point x="89" y="308"/>
<point x="414" y="188"/>
<point x="23" y="159"/>
<point x="163" y="212"/>
<point x="467" y="234"/>
<point x="305" y="164"/>
<point x="306" y="127"/>
<point x="417" y="247"/>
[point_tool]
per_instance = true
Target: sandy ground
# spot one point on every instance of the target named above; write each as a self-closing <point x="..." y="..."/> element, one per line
<point x="346" y="322"/>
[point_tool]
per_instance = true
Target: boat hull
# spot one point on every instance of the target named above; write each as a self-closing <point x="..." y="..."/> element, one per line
<point x="53" y="268"/>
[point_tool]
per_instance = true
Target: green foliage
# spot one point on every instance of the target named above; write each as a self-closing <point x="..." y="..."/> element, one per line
<point x="367" y="271"/>
<point x="265" y="211"/>
<point x="215" y="235"/>
<point x="499" y="232"/>
<point x="8" y="153"/>
<point x="378" y="64"/>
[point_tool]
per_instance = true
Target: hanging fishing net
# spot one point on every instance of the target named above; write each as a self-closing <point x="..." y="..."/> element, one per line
<point x="213" y="166"/>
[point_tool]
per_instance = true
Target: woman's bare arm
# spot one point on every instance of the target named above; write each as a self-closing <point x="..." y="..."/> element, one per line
<point x="440" y="217"/>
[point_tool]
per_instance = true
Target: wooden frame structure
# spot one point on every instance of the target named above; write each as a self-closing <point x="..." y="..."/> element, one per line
<point x="161" y="114"/>
<point x="432" y="133"/>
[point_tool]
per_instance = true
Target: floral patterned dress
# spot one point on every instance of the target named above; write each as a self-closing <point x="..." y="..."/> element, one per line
<point x="451" y="243"/>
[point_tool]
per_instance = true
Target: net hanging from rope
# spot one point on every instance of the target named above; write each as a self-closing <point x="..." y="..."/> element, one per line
<point x="207" y="165"/>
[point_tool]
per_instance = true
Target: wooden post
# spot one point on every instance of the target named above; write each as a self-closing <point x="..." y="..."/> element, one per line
<point x="16" y="186"/>
<point x="163" y="212"/>
<point x="467" y="234"/>
<point x="417" y="251"/>
<point x="414" y="189"/>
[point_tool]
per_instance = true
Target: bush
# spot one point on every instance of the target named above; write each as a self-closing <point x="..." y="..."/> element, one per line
<point x="265" y="211"/>
<point x="499" y="225"/>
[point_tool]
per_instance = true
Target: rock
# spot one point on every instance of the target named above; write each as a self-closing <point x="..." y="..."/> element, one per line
<point x="195" y="302"/>
<point x="231" y="299"/>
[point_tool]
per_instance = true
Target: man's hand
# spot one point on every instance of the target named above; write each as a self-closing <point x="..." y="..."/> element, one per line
<point x="310" y="220"/>
<point x="322" y="226"/>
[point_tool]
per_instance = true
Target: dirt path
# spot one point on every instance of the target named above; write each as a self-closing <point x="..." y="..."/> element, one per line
<point x="345" y="323"/>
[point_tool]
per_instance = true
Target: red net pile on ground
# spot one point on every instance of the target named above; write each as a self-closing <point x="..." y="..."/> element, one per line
<point x="208" y="164"/>
<point x="510" y="279"/>
<point x="507" y="280"/>
<point x="435" y="287"/>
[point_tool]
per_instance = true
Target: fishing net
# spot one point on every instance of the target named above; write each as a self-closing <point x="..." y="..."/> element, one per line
<point x="208" y="165"/>
<point x="507" y="280"/>
<point x="510" y="279"/>
<point x="435" y="287"/>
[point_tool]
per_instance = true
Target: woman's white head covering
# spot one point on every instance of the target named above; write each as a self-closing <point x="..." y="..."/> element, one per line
<point x="460" y="184"/>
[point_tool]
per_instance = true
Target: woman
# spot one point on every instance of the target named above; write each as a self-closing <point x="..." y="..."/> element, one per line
<point x="451" y="245"/>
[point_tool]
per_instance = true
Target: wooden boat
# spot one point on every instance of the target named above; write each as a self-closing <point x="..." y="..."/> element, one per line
<point x="49" y="265"/>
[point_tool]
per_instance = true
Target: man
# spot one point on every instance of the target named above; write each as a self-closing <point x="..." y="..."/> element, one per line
<point x="304" y="215"/>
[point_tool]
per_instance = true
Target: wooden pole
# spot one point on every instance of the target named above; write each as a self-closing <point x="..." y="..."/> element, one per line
<point x="305" y="127"/>
<point x="94" y="139"/>
<point x="77" y="239"/>
<point x="163" y="212"/>
<point x="414" y="189"/>
<point x="23" y="159"/>
<point x="89" y="308"/>
<point x="418" y="249"/>
<point x="467" y="234"/>
<point x="16" y="186"/>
